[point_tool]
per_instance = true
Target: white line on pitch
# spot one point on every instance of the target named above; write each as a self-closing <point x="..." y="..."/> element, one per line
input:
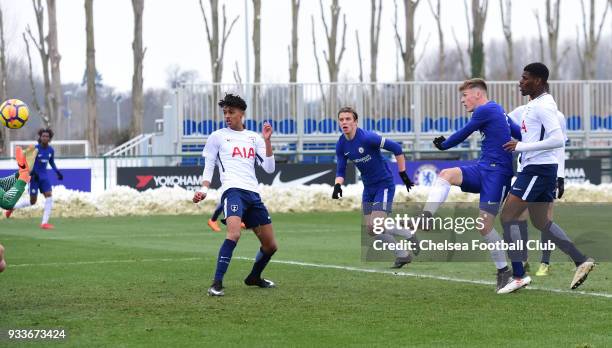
<point x="325" y="266"/>
<point x="427" y="276"/>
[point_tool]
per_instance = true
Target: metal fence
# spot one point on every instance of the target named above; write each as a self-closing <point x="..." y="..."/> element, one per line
<point x="411" y="112"/>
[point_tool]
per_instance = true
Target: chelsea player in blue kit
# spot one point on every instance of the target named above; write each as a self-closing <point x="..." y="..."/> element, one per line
<point x="40" y="180"/>
<point x="363" y="148"/>
<point x="490" y="176"/>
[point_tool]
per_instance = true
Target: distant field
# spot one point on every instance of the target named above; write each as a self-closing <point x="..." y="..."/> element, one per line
<point x="141" y="281"/>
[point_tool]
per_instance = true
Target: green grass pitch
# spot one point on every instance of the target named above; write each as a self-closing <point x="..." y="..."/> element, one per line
<point x="141" y="281"/>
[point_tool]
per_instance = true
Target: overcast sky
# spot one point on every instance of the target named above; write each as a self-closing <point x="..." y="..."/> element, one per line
<point x="174" y="34"/>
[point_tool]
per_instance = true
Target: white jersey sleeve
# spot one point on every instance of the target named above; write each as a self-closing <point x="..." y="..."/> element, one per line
<point x="541" y="132"/>
<point x="210" y="154"/>
<point x="560" y="152"/>
<point x="267" y="163"/>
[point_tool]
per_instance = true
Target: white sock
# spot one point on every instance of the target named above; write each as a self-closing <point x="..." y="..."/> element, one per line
<point x="498" y="256"/>
<point x="47" y="211"/>
<point x="387" y="238"/>
<point x="400" y="232"/>
<point x="24" y="203"/>
<point x="437" y="195"/>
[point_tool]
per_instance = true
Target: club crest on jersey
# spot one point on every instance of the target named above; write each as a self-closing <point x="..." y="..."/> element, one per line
<point x="234" y="208"/>
<point x="252" y="140"/>
<point x="360" y="149"/>
<point x="242" y="152"/>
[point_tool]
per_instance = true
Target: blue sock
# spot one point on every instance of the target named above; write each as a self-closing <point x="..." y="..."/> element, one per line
<point x="261" y="260"/>
<point x="523" y="227"/>
<point x="515" y="256"/>
<point x="225" y="256"/>
<point x="217" y="212"/>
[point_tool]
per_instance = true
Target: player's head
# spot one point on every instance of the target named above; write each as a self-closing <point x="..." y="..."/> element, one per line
<point x="473" y="93"/>
<point x="233" y="110"/>
<point x="534" y="80"/>
<point x="347" y="119"/>
<point x="45" y="135"/>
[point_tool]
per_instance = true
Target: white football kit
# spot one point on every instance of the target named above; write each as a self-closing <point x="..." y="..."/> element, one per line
<point x="516" y="115"/>
<point x="236" y="153"/>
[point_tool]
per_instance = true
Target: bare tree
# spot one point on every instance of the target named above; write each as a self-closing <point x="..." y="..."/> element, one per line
<point x="54" y="60"/>
<point x="139" y="53"/>
<point x="42" y="48"/>
<point x="359" y="56"/>
<point x="591" y="40"/>
<point x="536" y="14"/>
<point x="477" y="55"/>
<point x="441" y="54"/>
<point x="92" y="114"/>
<point x="552" y="28"/>
<point x="237" y="77"/>
<point x="293" y="49"/>
<point x="331" y="33"/>
<point x="505" y="6"/>
<point x="257" y="39"/>
<point x="410" y="39"/>
<point x="460" y="53"/>
<point x="375" y="13"/>
<point x="293" y="55"/>
<point x="4" y="136"/>
<point x="316" y="56"/>
<point x="42" y="113"/>
<point x="216" y="40"/>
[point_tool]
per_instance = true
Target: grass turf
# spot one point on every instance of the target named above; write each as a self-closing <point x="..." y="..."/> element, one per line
<point x="141" y="281"/>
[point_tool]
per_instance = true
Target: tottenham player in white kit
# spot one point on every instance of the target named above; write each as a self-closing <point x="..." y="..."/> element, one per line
<point x="535" y="185"/>
<point x="544" y="268"/>
<point x="236" y="151"/>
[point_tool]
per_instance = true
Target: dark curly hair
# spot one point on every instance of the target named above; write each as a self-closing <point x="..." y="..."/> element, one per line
<point x="233" y="101"/>
<point x="45" y="130"/>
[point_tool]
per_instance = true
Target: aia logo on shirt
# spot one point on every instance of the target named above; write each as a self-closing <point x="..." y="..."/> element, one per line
<point x="242" y="152"/>
<point x="523" y="127"/>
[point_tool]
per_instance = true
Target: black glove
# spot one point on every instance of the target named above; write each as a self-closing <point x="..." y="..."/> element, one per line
<point x="560" y="187"/>
<point x="438" y="142"/>
<point x="60" y="177"/>
<point x="337" y="191"/>
<point x="406" y="180"/>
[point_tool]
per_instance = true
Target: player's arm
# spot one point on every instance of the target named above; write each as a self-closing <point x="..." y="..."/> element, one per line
<point x="560" y="154"/>
<point x="515" y="129"/>
<point x="210" y="152"/>
<point x="52" y="163"/>
<point x="340" y="172"/>
<point x="548" y="117"/>
<point x="264" y="150"/>
<point x="459" y="136"/>
<point x="396" y="148"/>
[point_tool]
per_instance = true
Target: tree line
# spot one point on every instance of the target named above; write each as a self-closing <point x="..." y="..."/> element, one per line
<point x="53" y="103"/>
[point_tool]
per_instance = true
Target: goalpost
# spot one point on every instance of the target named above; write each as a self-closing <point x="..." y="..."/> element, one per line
<point x="63" y="148"/>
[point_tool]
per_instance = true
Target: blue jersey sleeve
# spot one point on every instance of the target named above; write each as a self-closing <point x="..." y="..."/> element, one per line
<point x="515" y="130"/>
<point x="52" y="159"/>
<point x="478" y="118"/>
<point x="392" y="146"/>
<point x="340" y="161"/>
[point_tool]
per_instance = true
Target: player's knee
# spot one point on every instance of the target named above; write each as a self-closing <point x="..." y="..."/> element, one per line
<point x="446" y="174"/>
<point x="540" y="224"/>
<point x="270" y="248"/>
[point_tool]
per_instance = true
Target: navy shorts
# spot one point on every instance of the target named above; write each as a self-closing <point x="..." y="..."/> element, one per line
<point x="378" y="198"/>
<point x="247" y="205"/>
<point x="41" y="183"/>
<point x="536" y="183"/>
<point x="492" y="184"/>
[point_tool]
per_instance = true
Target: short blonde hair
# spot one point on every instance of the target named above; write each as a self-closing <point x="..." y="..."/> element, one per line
<point x="473" y="83"/>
